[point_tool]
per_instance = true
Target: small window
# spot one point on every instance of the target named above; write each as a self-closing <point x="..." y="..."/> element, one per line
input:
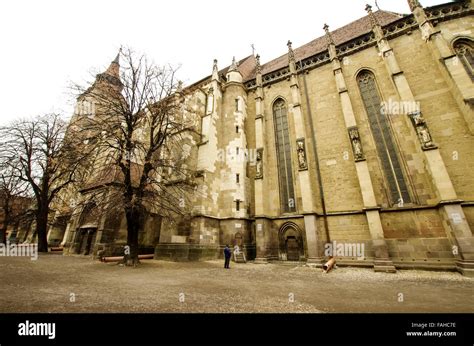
<point x="237" y="129"/>
<point x="237" y="178"/>
<point x="237" y="205"/>
<point x="237" y="105"/>
<point x="237" y="150"/>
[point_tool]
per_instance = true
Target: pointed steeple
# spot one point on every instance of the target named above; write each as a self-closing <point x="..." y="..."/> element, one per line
<point x="114" y="67"/>
<point x="233" y="66"/>
<point x="233" y="74"/>
<point x="112" y="74"/>
<point x="117" y="58"/>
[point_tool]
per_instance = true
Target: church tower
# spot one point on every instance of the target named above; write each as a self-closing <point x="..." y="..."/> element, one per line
<point x="234" y="199"/>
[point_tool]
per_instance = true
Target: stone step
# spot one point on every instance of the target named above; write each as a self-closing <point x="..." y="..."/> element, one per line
<point x="240" y="258"/>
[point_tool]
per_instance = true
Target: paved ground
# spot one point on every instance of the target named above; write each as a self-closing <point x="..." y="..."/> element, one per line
<point x="46" y="285"/>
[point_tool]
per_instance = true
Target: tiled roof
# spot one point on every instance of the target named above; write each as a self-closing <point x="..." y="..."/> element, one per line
<point x="344" y="34"/>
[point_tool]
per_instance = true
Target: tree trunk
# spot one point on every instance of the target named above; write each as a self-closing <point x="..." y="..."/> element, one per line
<point x="133" y="227"/>
<point x="3" y="235"/>
<point x="42" y="230"/>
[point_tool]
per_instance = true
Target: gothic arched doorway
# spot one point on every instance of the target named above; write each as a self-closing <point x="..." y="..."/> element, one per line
<point x="87" y="231"/>
<point x="238" y="239"/>
<point x="290" y="242"/>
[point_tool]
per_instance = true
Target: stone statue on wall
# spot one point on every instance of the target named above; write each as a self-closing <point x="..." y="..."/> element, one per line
<point x="356" y="144"/>
<point x="210" y="101"/>
<point x="301" y="154"/>
<point x="259" y="164"/>
<point x="422" y="130"/>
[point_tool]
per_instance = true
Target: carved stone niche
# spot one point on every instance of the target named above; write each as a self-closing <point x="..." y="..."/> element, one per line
<point x="301" y="154"/>
<point x="422" y="131"/>
<point x="210" y="101"/>
<point x="259" y="164"/>
<point x="356" y="143"/>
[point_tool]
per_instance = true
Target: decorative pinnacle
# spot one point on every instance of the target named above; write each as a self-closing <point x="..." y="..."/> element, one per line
<point x="373" y="19"/>
<point x="258" y="67"/>
<point x="414" y="4"/>
<point x="328" y="34"/>
<point x="291" y="53"/>
<point x="179" y="88"/>
<point x="214" y="65"/>
<point x="233" y="67"/>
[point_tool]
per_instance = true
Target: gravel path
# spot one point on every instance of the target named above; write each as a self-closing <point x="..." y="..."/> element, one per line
<point x="56" y="283"/>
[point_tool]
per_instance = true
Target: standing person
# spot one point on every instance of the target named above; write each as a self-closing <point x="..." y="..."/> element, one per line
<point x="227" y="254"/>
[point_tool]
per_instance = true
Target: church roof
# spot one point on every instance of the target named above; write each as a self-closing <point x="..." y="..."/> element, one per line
<point x="359" y="27"/>
<point x="344" y="34"/>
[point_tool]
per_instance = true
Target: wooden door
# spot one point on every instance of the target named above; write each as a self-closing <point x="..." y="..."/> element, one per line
<point x="292" y="249"/>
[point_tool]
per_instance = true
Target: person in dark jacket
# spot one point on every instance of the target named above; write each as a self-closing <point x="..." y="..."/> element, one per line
<point x="227" y="254"/>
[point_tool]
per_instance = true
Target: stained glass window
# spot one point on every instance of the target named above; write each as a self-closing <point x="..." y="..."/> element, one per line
<point x="384" y="141"/>
<point x="285" y="173"/>
<point x="464" y="51"/>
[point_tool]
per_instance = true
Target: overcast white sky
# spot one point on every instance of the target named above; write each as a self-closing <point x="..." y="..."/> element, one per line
<point x="46" y="44"/>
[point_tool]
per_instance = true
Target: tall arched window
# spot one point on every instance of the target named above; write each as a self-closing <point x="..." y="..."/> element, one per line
<point x="464" y="49"/>
<point x="285" y="172"/>
<point x="384" y="142"/>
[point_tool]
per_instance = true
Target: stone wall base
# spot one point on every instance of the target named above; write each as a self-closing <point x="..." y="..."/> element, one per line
<point x="196" y="252"/>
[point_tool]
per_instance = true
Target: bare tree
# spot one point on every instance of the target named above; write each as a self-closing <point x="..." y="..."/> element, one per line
<point x="14" y="198"/>
<point x="44" y="154"/>
<point x="141" y="130"/>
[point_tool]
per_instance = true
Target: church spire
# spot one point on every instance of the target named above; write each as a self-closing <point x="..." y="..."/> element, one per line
<point x="114" y="68"/>
<point x="112" y="75"/>
<point x="117" y="58"/>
